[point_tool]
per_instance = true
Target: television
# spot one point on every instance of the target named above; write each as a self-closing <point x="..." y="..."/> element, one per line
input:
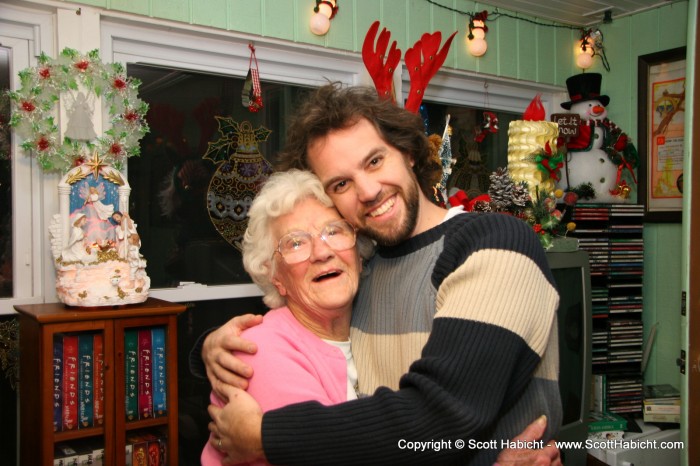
<point x="571" y="271"/>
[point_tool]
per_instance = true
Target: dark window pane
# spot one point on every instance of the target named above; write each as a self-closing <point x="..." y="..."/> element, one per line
<point x="479" y="142"/>
<point x="6" y="217"/>
<point x="188" y="207"/>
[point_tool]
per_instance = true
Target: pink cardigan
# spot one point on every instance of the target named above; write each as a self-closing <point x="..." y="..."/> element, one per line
<point x="291" y="365"/>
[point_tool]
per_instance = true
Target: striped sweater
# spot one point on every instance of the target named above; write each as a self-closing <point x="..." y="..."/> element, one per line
<point x="463" y="317"/>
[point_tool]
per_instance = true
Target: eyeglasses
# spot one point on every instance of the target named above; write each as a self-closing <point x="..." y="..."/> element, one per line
<point x="295" y="247"/>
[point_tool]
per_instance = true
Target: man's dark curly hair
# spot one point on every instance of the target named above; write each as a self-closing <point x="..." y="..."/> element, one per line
<point x="332" y="107"/>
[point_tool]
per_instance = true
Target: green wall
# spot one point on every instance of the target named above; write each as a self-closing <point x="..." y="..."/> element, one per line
<point x="518" y="50"/>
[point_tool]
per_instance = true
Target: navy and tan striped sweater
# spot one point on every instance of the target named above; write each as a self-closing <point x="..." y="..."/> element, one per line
<point x="454" y="335"/>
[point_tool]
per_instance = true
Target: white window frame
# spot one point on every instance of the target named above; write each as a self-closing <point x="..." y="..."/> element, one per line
<point x="25" y="33"/>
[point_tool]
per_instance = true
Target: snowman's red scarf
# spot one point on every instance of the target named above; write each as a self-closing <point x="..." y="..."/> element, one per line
<point x="616" y="144"/>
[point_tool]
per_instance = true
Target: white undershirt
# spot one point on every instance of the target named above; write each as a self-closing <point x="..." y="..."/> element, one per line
<point x="453" y="211"/>
<point x="351" y="369"/>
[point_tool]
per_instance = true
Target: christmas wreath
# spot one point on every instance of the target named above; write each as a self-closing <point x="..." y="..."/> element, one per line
<point x="41" y="88"/>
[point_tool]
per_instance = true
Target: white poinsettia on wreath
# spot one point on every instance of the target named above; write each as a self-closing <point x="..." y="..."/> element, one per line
<point x="75" y="74"/>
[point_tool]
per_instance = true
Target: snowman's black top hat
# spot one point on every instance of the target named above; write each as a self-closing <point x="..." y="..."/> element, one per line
<point x="583" y="87"/>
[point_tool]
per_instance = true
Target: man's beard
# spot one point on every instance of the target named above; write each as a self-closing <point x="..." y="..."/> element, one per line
<point x="405" y="228"/>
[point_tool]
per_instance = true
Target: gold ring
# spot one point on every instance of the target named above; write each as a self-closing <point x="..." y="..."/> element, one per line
<point x="218" y="443"/>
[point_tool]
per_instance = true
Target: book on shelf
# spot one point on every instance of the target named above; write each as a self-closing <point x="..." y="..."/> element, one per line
<point x="661" y="392"/>
<point x="598" y="395"/>
<point x="98" y="379"/>
<point x="662" y="417"/>
<point x="98" y="454"/>
<point x="131" y="347"/>
<point x="129" y="454"/>
<point x="669" y="406"/>
<point x="70" y="382"/>
<point x="85" y="379"/>
<point x="140" y="453"/>
<point x="85" y="454"/>
<point x="159" y="372"/>
<point x="606" y="421"/>
<point x="64" y="455"/>
<point x="153" y="448"/>
<point x="145" y="373"/>
<point x="146" y="449"/>
<point x="57" y="382"/>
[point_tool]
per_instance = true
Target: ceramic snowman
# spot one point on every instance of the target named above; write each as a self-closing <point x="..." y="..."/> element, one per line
<point x="596" y="155"/>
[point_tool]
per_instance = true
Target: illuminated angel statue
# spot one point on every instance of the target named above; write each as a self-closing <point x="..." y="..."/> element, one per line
<point x="93" y="196"/>
<point x="99" y="229"/>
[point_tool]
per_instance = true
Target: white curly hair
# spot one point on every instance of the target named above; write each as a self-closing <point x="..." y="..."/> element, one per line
<point x="279" y="196"/>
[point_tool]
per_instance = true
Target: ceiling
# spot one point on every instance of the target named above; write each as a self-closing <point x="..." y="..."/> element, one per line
<point x="578" y="12"/>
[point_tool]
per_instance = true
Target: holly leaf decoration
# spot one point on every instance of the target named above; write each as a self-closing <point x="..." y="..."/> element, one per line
<point x="233" y="135"/>
<point x="262" y="133"/>
<point x="221" y="150"/>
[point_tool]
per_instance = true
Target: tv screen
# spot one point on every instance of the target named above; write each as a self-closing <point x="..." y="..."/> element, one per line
<point x="571" y="273"/>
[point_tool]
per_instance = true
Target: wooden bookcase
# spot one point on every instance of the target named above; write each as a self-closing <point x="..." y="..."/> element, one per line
<point x="39" y="324"/>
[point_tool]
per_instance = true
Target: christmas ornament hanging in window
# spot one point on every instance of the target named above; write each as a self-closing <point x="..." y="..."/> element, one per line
<point x="241" y="171"/>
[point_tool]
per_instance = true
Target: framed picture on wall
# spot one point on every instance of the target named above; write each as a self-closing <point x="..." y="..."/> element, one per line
<point x="661" y="131"/>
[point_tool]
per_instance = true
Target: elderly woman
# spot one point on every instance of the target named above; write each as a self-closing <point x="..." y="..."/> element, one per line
<point x="303" y="255"/>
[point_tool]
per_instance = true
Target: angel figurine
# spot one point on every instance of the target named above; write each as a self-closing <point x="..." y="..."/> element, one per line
<point x="76" y="250"/>
<point x="93" y="202"/>
<point x="124" y="229"/>
<point x="134" y="257"/>
<point x="79" y="126"/>
<point x="99" y="228"/>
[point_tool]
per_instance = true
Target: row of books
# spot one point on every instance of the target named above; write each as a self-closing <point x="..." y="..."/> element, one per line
<point x="78" y="377"/>
<point x="78" y="381"/>
<point x="142" y="449"/>
<point x="146" y="378"/>
<point x="662" y="403"/>
<point x="79" y="453"/>
<point x="146" y="449"/>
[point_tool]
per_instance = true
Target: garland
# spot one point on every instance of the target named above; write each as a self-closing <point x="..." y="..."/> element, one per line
<point x="34" y="108"/>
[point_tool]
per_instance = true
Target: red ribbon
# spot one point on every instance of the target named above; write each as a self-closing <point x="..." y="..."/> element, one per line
<point x="460" y="198"/>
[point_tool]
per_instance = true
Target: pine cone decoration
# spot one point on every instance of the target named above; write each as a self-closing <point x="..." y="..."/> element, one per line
<point x="501" y="189"/>
<point x="521" y="194"/>
<point x="482" y="206"/>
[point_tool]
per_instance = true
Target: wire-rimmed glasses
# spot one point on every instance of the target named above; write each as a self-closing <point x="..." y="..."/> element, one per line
<point x="295" y="247"/>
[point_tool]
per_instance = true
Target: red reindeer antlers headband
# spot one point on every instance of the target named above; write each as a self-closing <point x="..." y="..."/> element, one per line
<point x="423" y="60"/>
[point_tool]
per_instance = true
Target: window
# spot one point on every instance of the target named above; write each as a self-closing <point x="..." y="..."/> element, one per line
<point x="6" y="218"/>
<point x="188" y="201"/>
<point x="184" y="72"/>
<point x="479" y="142"/>
<point x="22" y="33"/>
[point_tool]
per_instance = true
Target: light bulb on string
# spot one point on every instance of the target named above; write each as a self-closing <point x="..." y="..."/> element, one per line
<point x="584" y="53"/>
<point x="476" y="39"/>
<point x="324" y="11"/>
